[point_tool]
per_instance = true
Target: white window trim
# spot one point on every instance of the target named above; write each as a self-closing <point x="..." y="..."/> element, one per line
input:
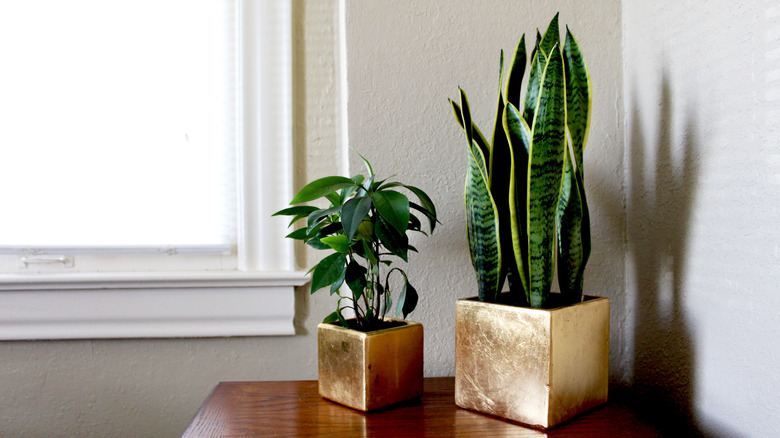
<point x="257" y="299"/>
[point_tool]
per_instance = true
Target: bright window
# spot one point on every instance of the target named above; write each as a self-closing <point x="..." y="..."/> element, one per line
<point x="140" y="156"/>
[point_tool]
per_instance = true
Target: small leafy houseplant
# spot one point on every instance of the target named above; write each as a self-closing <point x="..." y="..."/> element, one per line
<point x="524" y="191"/>
<point x="365" y="226"/>
<point x="370" y="361"/>
<point x="525" y="208"/>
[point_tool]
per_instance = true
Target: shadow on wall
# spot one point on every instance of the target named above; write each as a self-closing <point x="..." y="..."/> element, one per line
<point x="662" y="180"/>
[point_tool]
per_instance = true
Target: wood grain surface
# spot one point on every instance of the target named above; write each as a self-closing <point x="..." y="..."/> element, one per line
<point x="295" y="409"/>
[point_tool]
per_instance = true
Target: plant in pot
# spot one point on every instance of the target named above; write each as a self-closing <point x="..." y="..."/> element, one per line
<point x="371" y="360"/>
<point x="530" y="355"/>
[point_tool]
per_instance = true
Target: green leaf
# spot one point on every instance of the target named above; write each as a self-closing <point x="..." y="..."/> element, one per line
<point x="396" y="243"/>
<point x="334" y="198"/>
<point x="483" y="228"/>
<point x="573" y="228"/>
<point x="546" y="161"/>
<point x="321" y="187"/>
<point x="356" y="279"/>
<point x="552" y="36"/>
<point x="514" y="80"/>
<point x="352" y="214"/>
<point x="369" y="254"/>
<point x="578" y="96"/>
<point x="334" y="288"/>
<point x="316" y="216"/>
<point x="316" y="243"/>
<point x="407" y="299"/>
<point x="328" y="271"/>
<point x="331" y="318"/>
<point x="469" y="129"/>
<point x="299" y="234"/>
<point x="393" y="207"/>
<point x="538" y="63"/>
<point x="296" y="210"/>
<point x="338" y="242"/>
<point x="425" y="200"/>
<point x="499" y="182"/>
<point x="476" y="133"/>
<point x="519" y="136"/>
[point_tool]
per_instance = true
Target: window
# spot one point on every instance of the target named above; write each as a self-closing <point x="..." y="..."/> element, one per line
<point x="202" y="259"/>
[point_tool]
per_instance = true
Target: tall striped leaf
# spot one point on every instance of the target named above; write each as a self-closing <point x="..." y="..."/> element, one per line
<point x="573" y="217"/>
<point x="578" y="96"/>
<point x="538" y="63"/>
<point x="482" y="227"/>
<point x="519" y="136"/>
<point x="514" y="79"/>
<point x="475" y="132"/>
<point x="499" y="177"/>
<point x="552" y="36"/>
<point x="545" y="173"/>
<point x="573" y="233"/>
<point x="469" y="128"/>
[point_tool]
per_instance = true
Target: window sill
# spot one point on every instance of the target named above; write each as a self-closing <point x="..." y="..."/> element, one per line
<point x="147" y="305"/>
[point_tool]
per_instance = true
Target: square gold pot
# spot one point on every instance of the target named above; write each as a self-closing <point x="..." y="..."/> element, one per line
<point x="539" y="367"/>
<point x="368" y="371"/>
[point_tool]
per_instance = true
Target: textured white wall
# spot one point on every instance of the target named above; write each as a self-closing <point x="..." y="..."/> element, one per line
<point x="403" y="63"/>
<point x="703" y="178"/>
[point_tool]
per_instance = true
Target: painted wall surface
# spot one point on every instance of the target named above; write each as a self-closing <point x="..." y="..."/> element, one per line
<point x="152" y="388"/>
<point x="702" y="88"/>
<point x="402" y="66"/>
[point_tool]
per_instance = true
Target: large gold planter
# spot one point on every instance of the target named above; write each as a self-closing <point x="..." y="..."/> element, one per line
<point x="534" y="366"/>
<point x="368" y="371"/>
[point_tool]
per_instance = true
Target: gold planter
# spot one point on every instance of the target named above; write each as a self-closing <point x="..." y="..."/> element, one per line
<point x="368" y="371"/>
<point x="539" y="367"/>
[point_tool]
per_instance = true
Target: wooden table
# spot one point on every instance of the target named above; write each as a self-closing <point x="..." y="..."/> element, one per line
<point x="295" y="409"/>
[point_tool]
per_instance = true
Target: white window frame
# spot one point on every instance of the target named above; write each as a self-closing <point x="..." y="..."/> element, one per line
<point x="258" y="297"/>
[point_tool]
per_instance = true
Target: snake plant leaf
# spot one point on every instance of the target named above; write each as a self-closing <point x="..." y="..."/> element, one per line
<point x="573" y="233"/>
<point x="538" y="63"/>
<point x="321" y="187"/>
<point x="352" y="214"/>
<point x="482" y="228"/>
<point x="393" y="207"/>
<point x="328" y="271"/>
<point x="536" y="46"/>
<point x="395" y="242"/>
<point x="498" y="177"/>
<point x="469" y="129"/>
<point x="339" y="243"/>
<point x="578" y="96"/>
<point x="519" y="136"/>
<point x="545" y="168"/>
<point x="475" y="132"/>
<point x="552" y="36"/>
<point x="514" y="79"/>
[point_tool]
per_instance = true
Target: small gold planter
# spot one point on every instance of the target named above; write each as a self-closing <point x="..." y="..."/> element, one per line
<point x="539" y="367"/>
<point x="368" y="371"/>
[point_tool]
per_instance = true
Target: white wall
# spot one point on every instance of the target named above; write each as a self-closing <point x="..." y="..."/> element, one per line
<point x="403" y="63"/>
<point x="702" y="87"/>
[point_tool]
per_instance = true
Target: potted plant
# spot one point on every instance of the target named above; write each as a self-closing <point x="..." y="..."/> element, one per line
<point x="530" y="355"/>
<point x="370" y="360"/>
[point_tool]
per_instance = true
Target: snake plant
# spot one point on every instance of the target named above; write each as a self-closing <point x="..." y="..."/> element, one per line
<point x="365" y="224"/>
<point x="524" y="191"/>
